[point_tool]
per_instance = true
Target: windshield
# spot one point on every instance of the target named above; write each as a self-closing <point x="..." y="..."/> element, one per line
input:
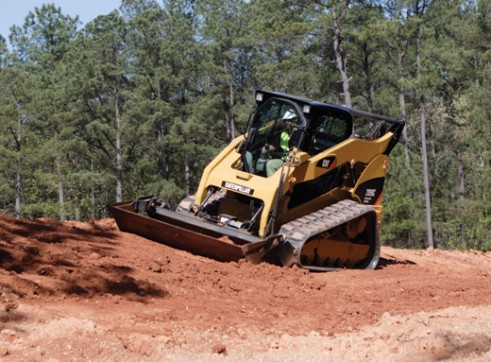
<point x="269" y="135"/>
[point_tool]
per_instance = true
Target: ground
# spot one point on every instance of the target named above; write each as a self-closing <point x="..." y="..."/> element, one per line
<point x="77" y="291"/>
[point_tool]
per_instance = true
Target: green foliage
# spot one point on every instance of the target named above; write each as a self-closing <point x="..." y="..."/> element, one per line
<point x="140" y="100"/>
<point x="403" y="224"/>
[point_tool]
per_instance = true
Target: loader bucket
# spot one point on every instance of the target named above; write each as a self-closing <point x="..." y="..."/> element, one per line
<point x="191" y="234"/>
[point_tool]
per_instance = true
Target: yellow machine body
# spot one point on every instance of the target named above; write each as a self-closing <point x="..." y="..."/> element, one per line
<point x="302" y="186"/>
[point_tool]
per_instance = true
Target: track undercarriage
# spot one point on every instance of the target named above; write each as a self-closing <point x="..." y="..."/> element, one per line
<point x="342" y="235"/>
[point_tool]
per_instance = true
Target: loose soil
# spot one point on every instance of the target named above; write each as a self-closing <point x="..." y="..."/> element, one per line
<point x="77" y="291"/>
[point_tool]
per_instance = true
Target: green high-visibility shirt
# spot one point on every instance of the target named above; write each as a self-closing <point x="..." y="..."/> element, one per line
<point x="284" y="143"/>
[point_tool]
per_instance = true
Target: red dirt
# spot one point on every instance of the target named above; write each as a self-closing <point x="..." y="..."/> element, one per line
<point x="86" y="291"/>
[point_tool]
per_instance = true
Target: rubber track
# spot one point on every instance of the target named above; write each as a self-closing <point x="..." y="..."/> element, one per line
<point x="298" y="231"/>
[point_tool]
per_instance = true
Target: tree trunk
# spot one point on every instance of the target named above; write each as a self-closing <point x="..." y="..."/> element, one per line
<point x="460" y="171"/>
<point x="402" y="106"/>
<point x="340" y="61"/>
<point x="424" y="152"/>
<point x="18" y="186"/>
<point x="187" y="175"/>
<point x="368" y="77"/>
<point x="229" y="100"/>
<point x="460" y="175"/>
<point x="118" y="150"/>
<point x="426" y="179"/>
<point x="18" y="175"/>
<point x="92" y="184"/>
<point x="61" y="189"/>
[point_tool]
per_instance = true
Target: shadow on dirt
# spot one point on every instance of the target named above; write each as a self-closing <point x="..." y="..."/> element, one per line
<point x="383" y="262"/>
<point x="123" y="286"/>
<point x="52" y="231"/>
<point x="462" y="346"/>
<point x="52" y="257"/>
<point x="26" y="243"/>
<point x="129" y="285"/>
<point x="5" y="257"/>
<point x="12" y="316"/>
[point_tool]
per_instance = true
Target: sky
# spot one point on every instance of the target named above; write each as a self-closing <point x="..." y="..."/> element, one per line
<point x="13" y="12"/>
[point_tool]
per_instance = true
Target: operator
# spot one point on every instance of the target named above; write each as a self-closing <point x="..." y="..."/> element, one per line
<point x="281" y="148"/>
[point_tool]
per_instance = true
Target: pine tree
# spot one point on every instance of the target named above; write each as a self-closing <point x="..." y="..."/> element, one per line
<point x="105" y="84"/>
<point x="40" y="46"/>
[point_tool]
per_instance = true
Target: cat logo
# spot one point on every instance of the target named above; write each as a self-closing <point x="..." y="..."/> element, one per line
<point x="327" y="163"/>
<point x="237" y="188"/>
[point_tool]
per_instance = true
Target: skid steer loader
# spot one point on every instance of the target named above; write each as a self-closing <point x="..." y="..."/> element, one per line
<point x="302" y="186"/>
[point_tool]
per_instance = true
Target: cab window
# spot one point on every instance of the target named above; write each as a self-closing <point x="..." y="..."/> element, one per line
<point x="330" y="130"/>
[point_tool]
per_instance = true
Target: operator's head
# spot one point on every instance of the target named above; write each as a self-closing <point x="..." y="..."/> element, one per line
<point x="291" y="120"/>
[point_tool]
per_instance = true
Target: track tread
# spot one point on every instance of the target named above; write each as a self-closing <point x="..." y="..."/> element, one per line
<point x="298" y="231"/>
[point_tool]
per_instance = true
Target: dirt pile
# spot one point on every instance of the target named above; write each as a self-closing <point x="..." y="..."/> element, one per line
<point x="86" y="291"/>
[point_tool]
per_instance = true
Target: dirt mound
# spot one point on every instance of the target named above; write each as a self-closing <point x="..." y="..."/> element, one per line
<point x="86" y="291"/>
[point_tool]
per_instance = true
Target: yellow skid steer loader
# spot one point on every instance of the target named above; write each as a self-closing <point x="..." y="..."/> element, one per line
<point x="302" y="186"/>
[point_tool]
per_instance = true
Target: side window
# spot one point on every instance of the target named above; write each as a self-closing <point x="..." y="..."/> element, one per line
<point x="330" y="131"/>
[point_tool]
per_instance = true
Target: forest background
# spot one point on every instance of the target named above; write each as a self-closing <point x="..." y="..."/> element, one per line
<point x="138" y="101"/>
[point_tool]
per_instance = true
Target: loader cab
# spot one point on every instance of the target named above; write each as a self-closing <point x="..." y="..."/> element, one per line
<point x="312" y="127"/>
<point x="278" y="125"/>
<point x="329" y="126"/>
